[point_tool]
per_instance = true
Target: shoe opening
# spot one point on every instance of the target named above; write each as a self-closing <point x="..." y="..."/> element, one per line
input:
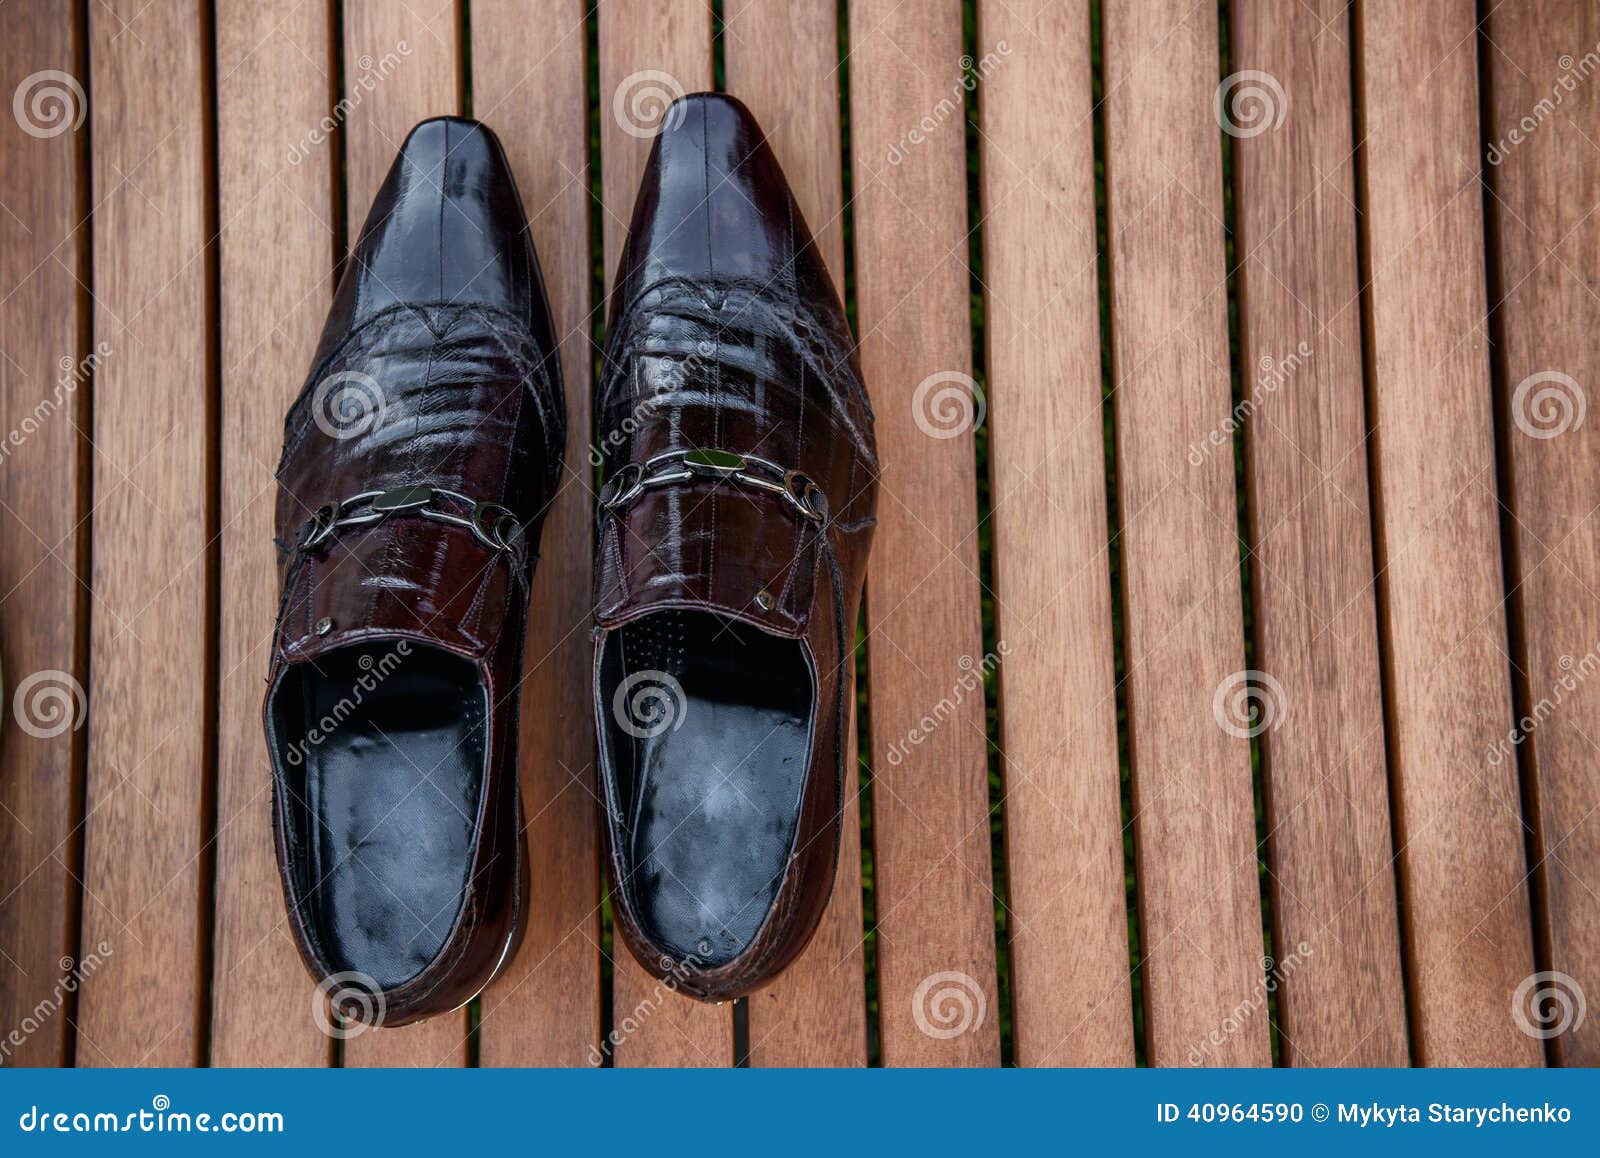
<point x="705" y="737"/>
<point x="380" y="749"/>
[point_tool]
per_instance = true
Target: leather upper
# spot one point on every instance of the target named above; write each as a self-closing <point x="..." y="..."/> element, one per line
<point x="727" y="334"/>
<point x="436" y="369"/>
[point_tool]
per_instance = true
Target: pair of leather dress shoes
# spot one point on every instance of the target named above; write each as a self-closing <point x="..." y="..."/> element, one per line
<point x="732" y="533"/>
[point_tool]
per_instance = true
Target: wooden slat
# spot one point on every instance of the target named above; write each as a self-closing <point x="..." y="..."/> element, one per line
<point x="1312" y="576"/>
<point x="783" y="62"/>
<point x="1194" y="820"/>
<point x="42" y="404"/>
<point x="1071" y="998"/>
<point x="1458" y="815"/>
<point x="546" y="1009"/>
<point x="424" y="35"/>
<point x="935" y="902"/>
<point x="276" y="234"/>
<point x="636" y="37"/>
<point x="148" y="765"/>
<point x="639" y="36"/>
<point x="1541" y="60"/>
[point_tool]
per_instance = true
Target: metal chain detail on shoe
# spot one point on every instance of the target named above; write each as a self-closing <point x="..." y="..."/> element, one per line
<point x="494" y="526"/>
<point x="676" y="466"/>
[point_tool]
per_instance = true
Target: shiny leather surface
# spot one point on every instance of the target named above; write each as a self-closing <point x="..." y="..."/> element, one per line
<point x="726" y="332"/>
<point x="439" y="352"/>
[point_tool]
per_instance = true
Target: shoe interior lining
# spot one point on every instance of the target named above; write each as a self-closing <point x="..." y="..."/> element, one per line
<point x="383" y="755"/>
<point x="707" y="738"/>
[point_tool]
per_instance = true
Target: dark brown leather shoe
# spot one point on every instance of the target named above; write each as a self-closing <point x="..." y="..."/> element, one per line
<point x="733" y="534"/>
<point x="417" y="466"/>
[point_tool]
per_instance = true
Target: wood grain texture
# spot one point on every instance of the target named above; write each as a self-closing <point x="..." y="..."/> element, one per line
<point x="1541" y="58"/>
<point x="545" y="1010"/>
<point x="401" y="65"/>
<point x="1458" y="812"/>
<point x="148" y="723"/>
<point x="639" y="41"/>
<point x="783" y="62"/>
<point x="1194" y="818"/>
<point x="410" y="56"/>
<point x="43" y="404"/>
<point x="1312" y="574"/>
<point x="438" y="1043"/>
<point x="1068" y="922"/>
<point x="935" y="899"/>
<point x="275" y="206"/>
<point x="639" y="38"/>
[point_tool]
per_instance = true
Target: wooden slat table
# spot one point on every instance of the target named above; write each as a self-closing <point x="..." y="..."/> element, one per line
<point x="1235" y="598"/>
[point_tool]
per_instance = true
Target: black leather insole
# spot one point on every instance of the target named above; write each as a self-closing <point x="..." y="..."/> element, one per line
<point x="712" y="781"/>
<point x="391" y="794"/>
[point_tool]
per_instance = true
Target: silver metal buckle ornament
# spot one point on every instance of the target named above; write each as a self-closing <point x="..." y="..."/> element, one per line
<point x="678" y="466"/>
<point x="492" y="524"/>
